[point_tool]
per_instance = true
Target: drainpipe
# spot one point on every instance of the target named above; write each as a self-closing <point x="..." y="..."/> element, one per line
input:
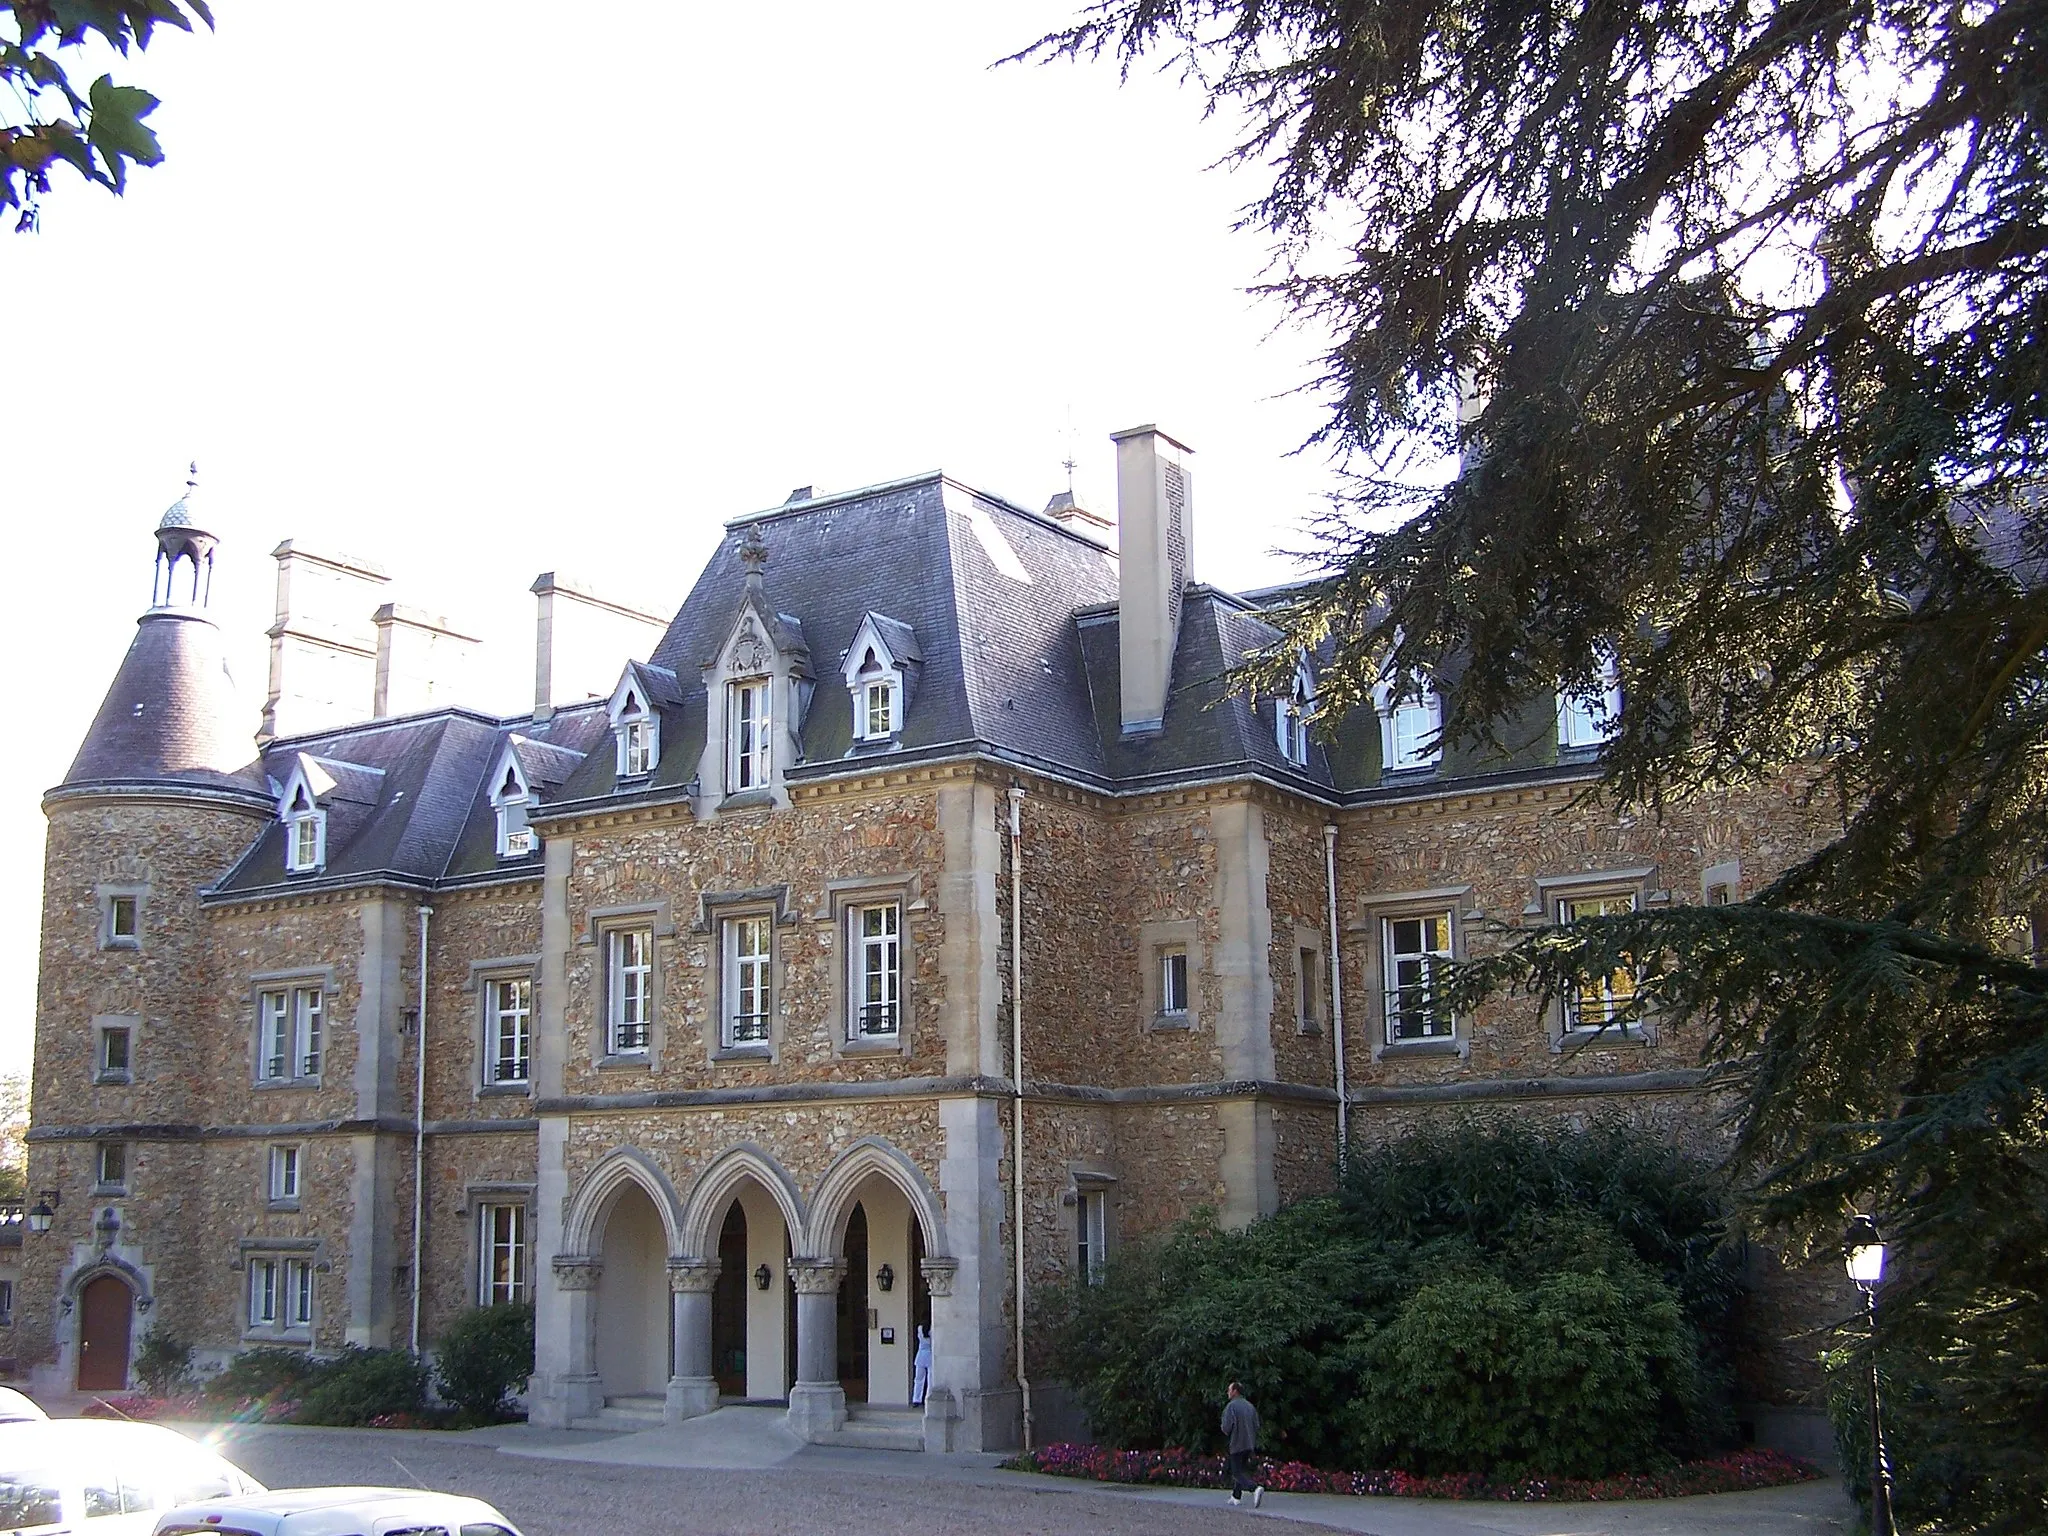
<point x="419" y="1129"/>
<point x="1337" y="994"/>
<point x="1017" y="1073"/>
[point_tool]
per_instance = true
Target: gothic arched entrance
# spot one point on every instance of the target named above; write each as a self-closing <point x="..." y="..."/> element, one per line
<point x="106" y="1319"/>
<point x="633" y="1299"/>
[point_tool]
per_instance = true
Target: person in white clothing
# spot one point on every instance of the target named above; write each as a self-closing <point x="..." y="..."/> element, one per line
<point x="921" y="1367"/>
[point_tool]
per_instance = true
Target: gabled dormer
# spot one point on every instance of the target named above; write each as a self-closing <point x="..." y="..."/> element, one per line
<point x="880" y="669"/>
<point x="511" y="797"/>
<point x="636" y="728"/>
<point x="756" y="689"/>
<point x="312" y="789"/>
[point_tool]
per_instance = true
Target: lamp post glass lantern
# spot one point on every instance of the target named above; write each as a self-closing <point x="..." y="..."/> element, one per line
<point x="1863" y="1255"/>
<point x="43" y="1212"/>
<point x="763" y="1278"/>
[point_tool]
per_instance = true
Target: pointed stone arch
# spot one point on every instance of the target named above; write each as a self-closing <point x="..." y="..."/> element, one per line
<point x="108" y="1264"/>
<point x="719" y="1184"/>
<point x="593" y="1200"/>
<point x="836" y="1193"/>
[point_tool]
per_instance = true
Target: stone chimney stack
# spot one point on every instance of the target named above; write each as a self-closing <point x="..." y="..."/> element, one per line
<point x="422" y="662"/>
<point x="582" y="641"/>
<point x="323" y="645"/>
<point x="1154" y="510"/>
<point x="1069" y="513"/>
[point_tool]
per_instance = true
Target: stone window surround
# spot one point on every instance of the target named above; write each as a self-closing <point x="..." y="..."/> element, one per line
<point x="261" y="982"/>
<point x="313" y="1251"/>
<point x="103" y="1022"/>
<point x="1313" y="1018"/>
<point x="1376" y="908"/>
<point x="509" y="770"/>
<point x="103" y="1186"/>
<point x="1725" y="876"/>
<point x="1637" y="880"/>
<point x="599" y="923"/>
<point x="1387" y="704"/>
<point x="1154" y="938"/>
<point x="713" y="908"/>
<point x="104" y="895"/>
<point x="891" y="671"/>
<point x="750" y="653"/>
<point x="476" y="1196"/>
<point x="841" y="898"/>
<point x="481" y="974"/>
<point x="272" y="1200"/>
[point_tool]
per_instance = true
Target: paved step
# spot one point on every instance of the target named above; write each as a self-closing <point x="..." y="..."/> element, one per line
<point x="625" y="1413"/>
<point x="880" y="1429"/>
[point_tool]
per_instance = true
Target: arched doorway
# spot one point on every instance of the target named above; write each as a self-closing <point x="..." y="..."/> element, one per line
<point x="883" y="1298"/>
<point x="753" y="1327"/>
<point x="633" y="1348"/>
<point x="106" y="1316"/>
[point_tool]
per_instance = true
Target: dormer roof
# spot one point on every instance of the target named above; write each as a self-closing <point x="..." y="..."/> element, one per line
<point x="895" y="640"/>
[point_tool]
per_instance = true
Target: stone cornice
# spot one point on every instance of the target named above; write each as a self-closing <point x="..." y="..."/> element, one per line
<point x="385" y="1125"/>
<point x="1559" y="1086"/>
<point x="252" y="803"/>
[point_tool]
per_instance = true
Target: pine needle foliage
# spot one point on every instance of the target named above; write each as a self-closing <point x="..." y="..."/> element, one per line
<point x="1733" y="316"/>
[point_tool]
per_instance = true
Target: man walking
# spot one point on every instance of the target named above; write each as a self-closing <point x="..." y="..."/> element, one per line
<point x="1241" y="1427"/>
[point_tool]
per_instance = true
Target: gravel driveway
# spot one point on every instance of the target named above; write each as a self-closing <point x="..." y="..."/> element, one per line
<point x="814" y="1493"/>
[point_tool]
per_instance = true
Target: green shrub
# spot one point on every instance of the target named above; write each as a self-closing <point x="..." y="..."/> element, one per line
<point x="163" y="1363"/>
<point x="486" y="1356"/>
<point x="364" y="1384"/>
<point x="1479" y="1298"/>
<point x="262" y="1373"/>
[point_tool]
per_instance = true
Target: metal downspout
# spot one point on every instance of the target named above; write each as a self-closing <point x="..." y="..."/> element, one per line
<point x="1337" y="994"/>
<point x="1017" y="1076"/>
<point x="419" y="1129"/>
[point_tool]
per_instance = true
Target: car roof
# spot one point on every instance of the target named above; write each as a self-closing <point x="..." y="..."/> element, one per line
<point x="331" y="1511"/>
<point x="19" y="1408"/>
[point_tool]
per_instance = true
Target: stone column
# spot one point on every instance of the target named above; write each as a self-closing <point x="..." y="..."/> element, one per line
<point x="692" y="1389"/>
<point x="581" y="1389"/>
<point x="941" y="1405"/>
<point x="817" y="1403"/>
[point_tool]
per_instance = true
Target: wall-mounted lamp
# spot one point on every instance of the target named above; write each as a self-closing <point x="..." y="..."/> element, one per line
<point x="44" y="1211"/>
<point x="885" y="1278"/>
<point x="763" y="1278"/>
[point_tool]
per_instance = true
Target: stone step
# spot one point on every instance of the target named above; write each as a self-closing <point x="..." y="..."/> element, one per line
<point x="880" y="1429"/>
<point x="625" y="1413"/>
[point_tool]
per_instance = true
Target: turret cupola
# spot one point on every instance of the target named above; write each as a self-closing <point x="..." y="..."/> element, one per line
<point x="172" y="718"/>
<point x="180" y="541"/>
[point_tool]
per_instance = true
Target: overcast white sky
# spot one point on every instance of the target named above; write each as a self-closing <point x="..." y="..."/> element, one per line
<point x="479" y="294"/>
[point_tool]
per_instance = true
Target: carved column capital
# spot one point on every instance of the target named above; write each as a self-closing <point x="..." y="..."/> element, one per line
<point x="692" y="1277"/>
<point x="817" y="1277"/>
<point x="576" y="1272"/>
<point x="938" y="1275"/>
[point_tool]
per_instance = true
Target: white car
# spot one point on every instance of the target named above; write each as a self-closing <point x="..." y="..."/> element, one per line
<point x="19" y="1408"/>
<point x="338" y="1512"/>
<point x="104" y="1477"/>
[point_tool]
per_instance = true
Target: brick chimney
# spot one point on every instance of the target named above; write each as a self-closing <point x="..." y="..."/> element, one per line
<point x="581" y="642"/>
<point x="323" y="646"/>
<point x="1154" y="511"/>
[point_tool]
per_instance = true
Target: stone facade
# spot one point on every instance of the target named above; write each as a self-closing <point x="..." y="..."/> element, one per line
<point x="774" y="1213"/>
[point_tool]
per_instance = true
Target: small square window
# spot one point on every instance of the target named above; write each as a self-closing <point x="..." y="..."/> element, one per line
<point x="114" y="1062"/>
<point x="113" y="1165"/>
<point x="284" y="1173"/>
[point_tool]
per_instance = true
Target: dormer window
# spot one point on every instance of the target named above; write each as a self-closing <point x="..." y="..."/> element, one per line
<point x="1590" y="718"/>
<point x="875" y="703"/>
<point x="747" y="728"/>
<point x="1291" y="716"/>
<point x="305" y="827"/>
<point x="638" y="735"/>
<point x="515" y="838"/>
<point x="878" y="668"/>
<point x="1411" y="720"/>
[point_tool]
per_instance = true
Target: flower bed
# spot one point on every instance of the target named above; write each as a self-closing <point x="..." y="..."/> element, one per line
<point x="1184" y="1469"/>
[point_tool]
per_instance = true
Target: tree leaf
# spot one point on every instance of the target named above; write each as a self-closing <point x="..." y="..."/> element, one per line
<point x="116" y="129"/>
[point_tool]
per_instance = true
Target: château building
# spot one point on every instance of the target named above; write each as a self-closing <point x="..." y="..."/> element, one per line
<point x="687" y="1004"/>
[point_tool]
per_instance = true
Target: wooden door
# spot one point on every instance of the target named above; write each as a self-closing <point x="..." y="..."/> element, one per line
<point x="106" y="1311"/>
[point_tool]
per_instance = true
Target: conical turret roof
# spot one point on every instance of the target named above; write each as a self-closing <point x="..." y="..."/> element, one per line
<point x="173" y="715"/>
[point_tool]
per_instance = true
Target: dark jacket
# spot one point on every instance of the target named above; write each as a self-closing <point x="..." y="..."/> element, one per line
<point x="1241" y="1424"/>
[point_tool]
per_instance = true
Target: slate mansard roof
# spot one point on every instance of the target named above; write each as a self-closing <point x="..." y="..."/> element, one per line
<point x="1004" y="621"/>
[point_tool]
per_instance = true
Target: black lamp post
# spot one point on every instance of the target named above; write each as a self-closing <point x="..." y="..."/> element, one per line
<point x="1863" y="1253"/>
<point x="763" y="1278"/>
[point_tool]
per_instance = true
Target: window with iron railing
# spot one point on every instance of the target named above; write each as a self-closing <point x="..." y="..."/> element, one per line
<point x="876" y="982"/>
